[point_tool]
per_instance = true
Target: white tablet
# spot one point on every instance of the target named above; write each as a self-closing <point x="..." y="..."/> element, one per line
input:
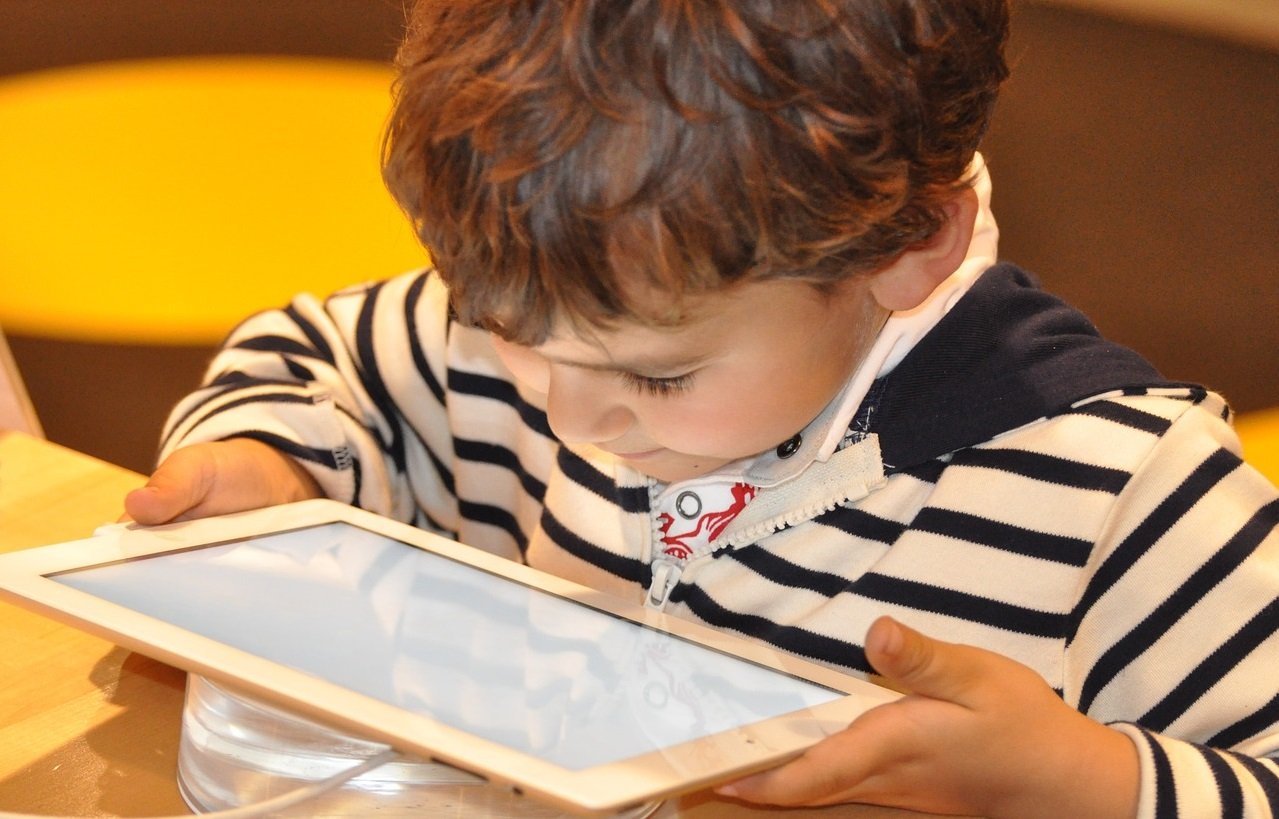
<point x="438" y="649"/>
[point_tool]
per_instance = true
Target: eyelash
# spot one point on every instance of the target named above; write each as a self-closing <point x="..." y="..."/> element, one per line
<point x="659" y="387"/>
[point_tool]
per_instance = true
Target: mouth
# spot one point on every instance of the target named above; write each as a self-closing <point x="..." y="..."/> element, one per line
<point x="637" y="456"/>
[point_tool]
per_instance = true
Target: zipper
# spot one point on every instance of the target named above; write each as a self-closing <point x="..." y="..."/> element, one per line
<point x="666" y="573"/>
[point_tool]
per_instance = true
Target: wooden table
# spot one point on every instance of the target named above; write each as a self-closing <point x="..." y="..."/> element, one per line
<point x="88" y="728"/>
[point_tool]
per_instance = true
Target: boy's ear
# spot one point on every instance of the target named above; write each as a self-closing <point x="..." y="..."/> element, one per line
<point x="907" y="282"/>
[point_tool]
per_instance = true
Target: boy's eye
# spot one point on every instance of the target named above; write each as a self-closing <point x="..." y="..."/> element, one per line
<point x="657" y="386"/>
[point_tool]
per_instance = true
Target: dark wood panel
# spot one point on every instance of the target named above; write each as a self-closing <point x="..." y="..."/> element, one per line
<point x="1136" y="172"/>
<point x="44" y="33"/>
<point x="108" y="400"/>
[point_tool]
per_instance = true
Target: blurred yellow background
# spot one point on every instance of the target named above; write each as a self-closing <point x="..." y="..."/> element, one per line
<point x="171" y="197"/>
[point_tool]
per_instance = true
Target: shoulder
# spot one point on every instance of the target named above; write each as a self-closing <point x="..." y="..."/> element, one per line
<point x="1007" y="354"/>
<point x="1119" y="431"/>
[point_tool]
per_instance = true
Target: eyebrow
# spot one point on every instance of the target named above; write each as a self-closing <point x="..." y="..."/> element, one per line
<point x="639" y="366"/>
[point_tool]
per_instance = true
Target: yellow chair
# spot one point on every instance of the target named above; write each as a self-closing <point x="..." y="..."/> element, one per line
<point x="1259" y="431"/>
<point x="155" y="203"/>
<point x="162" y="200"/>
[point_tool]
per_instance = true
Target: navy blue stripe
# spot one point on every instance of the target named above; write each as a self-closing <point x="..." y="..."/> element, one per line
<point x="1048" y="468"/>
<point x="632" y="499"/>
<point x="1229" y="793"/>
<point x="1165" y="789"/>
<point x="259" y="398"/>
<point x="1265" y="777"/>
<point x="862" y="524"/>
<point x="313" y="335"/>
<point x="791" y="639"/>
<point x="324" y="457"/>
<point x="411" y="299"/>
<point x="494" y="516"/>
<point x="218" y="409"/>
<point x="486" y="386"/>
<point x="1159" y="521"/>
<point x="230" y="382"/>
<point x="926" y="597"/>
<point x="615" y="564"/>
<point x="1248" y="727"/>
<point x="484" y="452"/>
<point x="371" y="378"/>
<point x="1127" y="416"/>
<point x="785" y="573"/>
<point x="299" y="372"/>
<point x="1215" y="666"/>
<point x="1175" y="606"/>
<point x="280" y="345"/>
<point x="928" y="471"/>
<point x="357" y="484"/>
<point x="374" y="384"/>
<point x="1071" y="551"/>
<point x="238" y="379"/>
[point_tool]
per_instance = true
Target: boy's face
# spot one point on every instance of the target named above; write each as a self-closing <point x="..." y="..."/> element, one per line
<point x="748" y="370"/>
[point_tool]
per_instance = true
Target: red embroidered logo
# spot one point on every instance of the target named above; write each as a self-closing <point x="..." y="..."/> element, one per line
<point x="707" y="526"/>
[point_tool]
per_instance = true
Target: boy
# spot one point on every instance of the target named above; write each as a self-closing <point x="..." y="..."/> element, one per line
<point x="715" y="323"/>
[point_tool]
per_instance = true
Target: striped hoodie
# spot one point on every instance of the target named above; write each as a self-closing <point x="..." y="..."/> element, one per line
<point x="1015" y="483"/>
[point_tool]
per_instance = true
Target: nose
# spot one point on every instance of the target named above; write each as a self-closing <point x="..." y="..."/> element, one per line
<point x="582" y="408"/>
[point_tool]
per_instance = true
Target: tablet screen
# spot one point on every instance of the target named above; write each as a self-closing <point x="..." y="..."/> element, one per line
<point x="519" y="666"/>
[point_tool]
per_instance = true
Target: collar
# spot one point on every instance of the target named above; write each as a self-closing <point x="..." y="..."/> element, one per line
<point x="1006" y="355"/>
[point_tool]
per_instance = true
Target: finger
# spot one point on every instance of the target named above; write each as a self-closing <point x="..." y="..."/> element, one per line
<point x="151" y="505"/>
<point x="178" y="485"/>
<point x="846" y="766"/>
<point x="827" y="773"/>
<point x="916" y="663"/>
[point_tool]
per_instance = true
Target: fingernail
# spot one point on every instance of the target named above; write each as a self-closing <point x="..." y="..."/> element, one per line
<point x="726" y="790"/>
<point x="891" y="637"/>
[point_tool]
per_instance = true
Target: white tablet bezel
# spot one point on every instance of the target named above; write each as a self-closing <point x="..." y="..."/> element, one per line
<point x="24" y="578"/>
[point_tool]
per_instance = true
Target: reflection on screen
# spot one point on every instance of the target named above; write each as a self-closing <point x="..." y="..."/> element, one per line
<point x="524" y="668"/>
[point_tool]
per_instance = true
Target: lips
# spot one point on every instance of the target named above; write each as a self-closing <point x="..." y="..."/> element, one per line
<point x="637" y="456"/>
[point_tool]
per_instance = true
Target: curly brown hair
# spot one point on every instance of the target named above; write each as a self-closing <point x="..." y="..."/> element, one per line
<point x="569" y="159"/>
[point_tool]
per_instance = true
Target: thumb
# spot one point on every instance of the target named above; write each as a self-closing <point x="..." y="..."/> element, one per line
<point x="918" y="664"/>
<point x="178" y="485"/>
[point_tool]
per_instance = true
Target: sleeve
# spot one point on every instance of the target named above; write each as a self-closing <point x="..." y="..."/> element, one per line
<point x="1176" y="636"/>
<point x="351" y="387"/>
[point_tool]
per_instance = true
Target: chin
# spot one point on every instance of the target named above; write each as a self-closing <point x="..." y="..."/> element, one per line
<point x="673" y="473"/>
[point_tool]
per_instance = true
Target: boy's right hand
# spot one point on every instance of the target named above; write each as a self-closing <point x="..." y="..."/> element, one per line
<point x="217" y="478"/>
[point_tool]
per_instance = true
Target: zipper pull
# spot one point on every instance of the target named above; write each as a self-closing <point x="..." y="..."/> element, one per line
<point x="666" y="574"/>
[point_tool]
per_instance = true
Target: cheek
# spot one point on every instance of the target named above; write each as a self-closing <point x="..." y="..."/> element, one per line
<point x="710" y="432"/>
<point x="734" y="418"/>
<point x="751" y="413"/>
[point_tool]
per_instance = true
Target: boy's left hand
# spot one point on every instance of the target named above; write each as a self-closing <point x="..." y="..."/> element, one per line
<point x="977" y="734"/>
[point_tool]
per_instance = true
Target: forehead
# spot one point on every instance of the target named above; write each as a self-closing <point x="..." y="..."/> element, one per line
<point x="707" y="323"/>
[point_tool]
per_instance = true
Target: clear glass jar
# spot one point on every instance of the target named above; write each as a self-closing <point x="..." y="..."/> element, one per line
<point x="236" y="751"/>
